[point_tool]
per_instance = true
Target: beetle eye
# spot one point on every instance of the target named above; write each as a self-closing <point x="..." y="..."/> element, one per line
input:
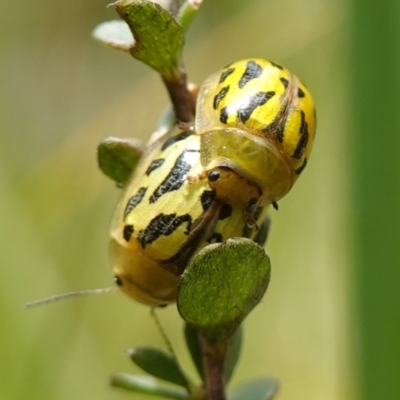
<point x="213" y="176"/>
<point x="117" y="280"/>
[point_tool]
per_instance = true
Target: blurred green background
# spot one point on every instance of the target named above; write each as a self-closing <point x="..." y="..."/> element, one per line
<point x="329" y="325"/>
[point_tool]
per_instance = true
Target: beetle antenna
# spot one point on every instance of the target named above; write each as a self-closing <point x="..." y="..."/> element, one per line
<point x="162" y="332"/>
<point x="64" y="296"/>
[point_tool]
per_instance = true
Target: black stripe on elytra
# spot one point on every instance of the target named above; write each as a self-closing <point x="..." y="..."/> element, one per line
<point x="163" y="225"/>
<point x="301" y="168"/>
<point x="215" y="238"/>
<point x="174" y="180"/>
<point x="300" y="93"/>
<point x="127" y="232"/>
<point x="276" y="128"/>
<point x="253" y="71"/>
<point x="225" y="74"/>
<point x="221" y="94"/>
<point x="134" y="200"/>
<point x="207" y="197"/>
<point x="257" y="100"/>
<point x="302" y="143"/>
<point x="225" y="212"/>
<point x="276" y="65"/>
<point x="223" y="115"/>
<point x="174" y="139"/>
<point x="154" y="165"/>
<point x="284" y="81"/>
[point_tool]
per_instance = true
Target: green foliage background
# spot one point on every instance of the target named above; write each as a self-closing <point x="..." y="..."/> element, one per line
<point x="317" y="329"/>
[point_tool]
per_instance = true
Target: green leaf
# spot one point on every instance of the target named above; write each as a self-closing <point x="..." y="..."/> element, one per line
<point x="193" y="345"/>
<point x="118" y="158"/>
<point x="233" y="353"/>
<point x="263" y="388"/>
<point x="159" y="364"/>
<point x="158" y="36"/>
<point x="166" y="122"/>
<point x="115" y="34"/>
<point x="263" y="231"/>
<point x="148" y="385"/>
<point x="221" y="285"/>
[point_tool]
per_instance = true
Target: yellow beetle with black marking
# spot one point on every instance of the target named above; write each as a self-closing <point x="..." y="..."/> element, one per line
<point x="257" y="125"/>
<point x="253" y="134"/>
<point x="165" y="215"/>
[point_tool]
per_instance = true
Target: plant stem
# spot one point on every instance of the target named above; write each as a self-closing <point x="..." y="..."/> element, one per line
<point x="214" y="361"/>
<point x="182" y="100"/>
<point x="187" y="12"/>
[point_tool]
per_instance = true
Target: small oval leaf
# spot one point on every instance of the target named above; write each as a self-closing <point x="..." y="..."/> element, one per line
<point x="166" y="122"/>
<point x="148" y="385"/>
<point x="193" y="345"/>
<point x="264" y="388"/>
<point x="158" y="36"/>
<point x="115" y="34"/>
<point x="233" y="353"/>
<point x="118" y="158"/>
<point x="263" y="231"/>
<point x="221" y="285"/>
<point x="159" y="364"/>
